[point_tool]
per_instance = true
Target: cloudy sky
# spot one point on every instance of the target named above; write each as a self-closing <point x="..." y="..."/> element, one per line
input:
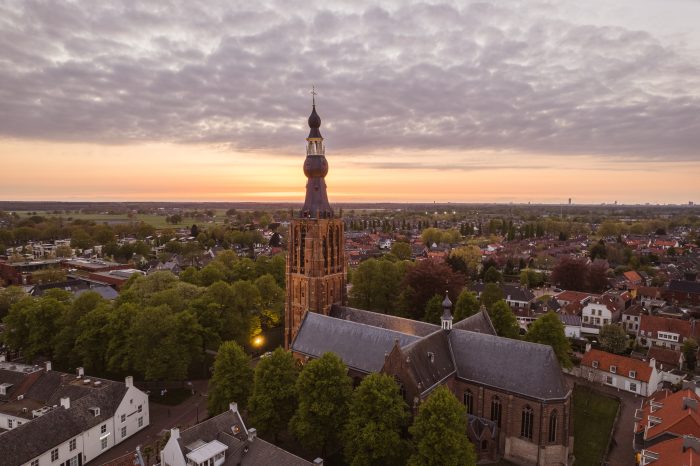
<point x="432" y="101"/>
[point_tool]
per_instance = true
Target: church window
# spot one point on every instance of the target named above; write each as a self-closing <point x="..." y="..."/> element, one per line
<point x="469" y="401"/>
<point x="527" y="420"/>
<point x="496" y="410"/>
<point x="553" y="426"/>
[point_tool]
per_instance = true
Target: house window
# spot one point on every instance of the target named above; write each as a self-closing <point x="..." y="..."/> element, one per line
<point x="72" y="444"/>
<point x="35" y="463"/>
<point x="633" y="374"/>
<point x="103" y="444"/>
<point x="54" y="454"/>
<point x="103" y="429"/>
<point x="609" y="379"/>
<point x="594" y="364"/>
<point x="140" y="408"/>
<point x="613" y="369"/>
<point x="9" y="423"/>
<point x="469" y="401"/>
<point x="123" y="431"/>
<point x="496" y="410"/>
<point x="123" y="417"/>
<point x="553" y="426"/>
<point x="141" y="422"/>
<point x="526" y="422"/>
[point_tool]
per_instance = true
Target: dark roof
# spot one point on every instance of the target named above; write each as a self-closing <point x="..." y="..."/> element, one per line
<point x="359" y="345"/>
<point x="23" y="443"/>
<point x="431" y="360"/>
<point x="510" y="292"/>
<point x="684" y="286"/>
<point x="45" y="386"/>
<point x="375" y="319"/>
<point x="529" y="369"/>
<point x="479" y="322"/>
<point x="105" y="291"/>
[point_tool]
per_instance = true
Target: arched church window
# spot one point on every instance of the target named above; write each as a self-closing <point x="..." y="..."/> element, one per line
<point x="469" y="401"/>
<point x="527" y="420"/>
<point x="496" y="410"/>
<point x="553" y="426"/>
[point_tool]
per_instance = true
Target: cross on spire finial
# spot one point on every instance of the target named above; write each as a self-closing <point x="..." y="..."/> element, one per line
<point x="313" y="94"/>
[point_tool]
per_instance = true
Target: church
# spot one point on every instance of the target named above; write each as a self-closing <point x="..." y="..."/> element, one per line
<point x="518" y="403"/>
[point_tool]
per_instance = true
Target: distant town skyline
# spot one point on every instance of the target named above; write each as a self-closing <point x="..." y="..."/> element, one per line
<point x="511" y="101"/>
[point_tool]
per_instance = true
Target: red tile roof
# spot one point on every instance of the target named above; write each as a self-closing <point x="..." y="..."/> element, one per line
<point x="572" y="296"/>
<point x="672" y="453"/>
<point x="633" y="277"/>
<point x="651" y="325"/>
<point x="623" y="365"/>
<point x="675" y="416"/>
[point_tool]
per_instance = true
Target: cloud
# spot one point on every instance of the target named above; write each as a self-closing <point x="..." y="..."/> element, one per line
<point x="479" y="76"/>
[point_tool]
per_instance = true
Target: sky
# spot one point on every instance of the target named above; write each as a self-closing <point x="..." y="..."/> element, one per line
<point x="464" y="101"/>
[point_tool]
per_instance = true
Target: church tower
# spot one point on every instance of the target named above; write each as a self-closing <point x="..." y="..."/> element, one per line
<point x="316" y="254"/>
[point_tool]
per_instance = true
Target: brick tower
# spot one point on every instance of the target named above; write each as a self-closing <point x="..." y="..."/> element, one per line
<point x="316" y="257"/>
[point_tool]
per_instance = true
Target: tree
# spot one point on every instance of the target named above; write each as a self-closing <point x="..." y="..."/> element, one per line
<point x="401" y="250"/>
<point x="323" y="390"/>
<point x="8" y="297"/>
<point x="378" y="415"/>
<point x="428" y="278"/>
<point x="49" y="275"/>
<point x="274" y="398"/>
<point x="491" y="294"/>
<point x="467" y="305"/>
<point x="504" y="320"/>
<point x="377" y="284"/>
<point x="439" y="434"/>
<point x="271" y="300"/>
<point x="64" y="251"/>
<point x="571" y="273"/>
<point x="492" y="275"/>
<point x="690" y="353"/>
<point x="232" y="378"/>
<point x="433" y="310"/>
<point x="548" y="330"/>
<point x="613" y="338"/>
<point x="597" y="279"/>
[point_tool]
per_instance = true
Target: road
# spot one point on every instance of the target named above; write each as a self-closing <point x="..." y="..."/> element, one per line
<point x="162" y="418"/>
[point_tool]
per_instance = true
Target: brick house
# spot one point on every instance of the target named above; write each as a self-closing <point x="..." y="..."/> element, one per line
<point x="666" y="332"/>
<point x="683" y="292"/>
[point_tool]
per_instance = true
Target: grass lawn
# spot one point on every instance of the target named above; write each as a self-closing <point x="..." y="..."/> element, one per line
<point x="594" y="415"/>
<point x="174" y="397"/>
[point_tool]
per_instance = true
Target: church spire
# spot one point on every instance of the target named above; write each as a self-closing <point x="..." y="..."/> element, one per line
<point x="315" y="168"/>
<point x="446" y="312"/>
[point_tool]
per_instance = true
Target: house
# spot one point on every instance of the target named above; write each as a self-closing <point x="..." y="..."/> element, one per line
<point x="632" y="279"/>
<point x="683" y="292"/>
<point x="515" y="296"/>
<point x="650" y="297"/>
<point x="224" y="440"/>
<point x="631" y="318"/>
<point x="566" y="298"/>
<point x="666" y="359"/>
<point x="572" y="325"/>
<point x="676" y="451"/>
<point x="665" y="416"/>
<point x="52" y="418"/>
<point x="666" y="332"/>
<point x="632" y="375"/>
<point x="598" y="312"/>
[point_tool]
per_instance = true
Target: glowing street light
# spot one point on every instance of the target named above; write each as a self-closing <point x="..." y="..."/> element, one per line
<point x="258" y="341"/>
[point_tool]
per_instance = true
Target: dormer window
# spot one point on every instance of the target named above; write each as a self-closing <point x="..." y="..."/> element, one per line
<point x="613" y="369"/>
<point x="594" y="364"/>
<point x="633" y="374"/>
<point x="95" y="411"/>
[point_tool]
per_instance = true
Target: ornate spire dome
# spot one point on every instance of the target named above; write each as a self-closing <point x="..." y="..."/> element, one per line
<point x="446" y="313"/>
<point x="315" y="168"/>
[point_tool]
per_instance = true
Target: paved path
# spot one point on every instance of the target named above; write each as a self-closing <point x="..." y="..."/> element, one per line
<point x="621" y="451"/>
<point x="162" y="418"/>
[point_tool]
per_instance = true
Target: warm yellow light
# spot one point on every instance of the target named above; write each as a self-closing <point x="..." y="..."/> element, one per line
<point x="258" y="341"/>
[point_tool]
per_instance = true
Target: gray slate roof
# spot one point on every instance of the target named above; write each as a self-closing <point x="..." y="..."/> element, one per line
<point x="375" y="319"/>
<point x="360" y="346"/>
<point x="479" y="322"/>
<point x="431" y="360"/>
<point x="25" y="442"/>
<point x="529" y="369"/>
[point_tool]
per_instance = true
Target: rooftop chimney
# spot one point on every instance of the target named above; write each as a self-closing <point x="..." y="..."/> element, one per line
<point x="233" y="407"/>
<point x="318" y="461"/>
<point x="652" y="363"/>
<point x="48" y="366"/>
<point x="65" y="402"/>
<point x="691" y="442"/>
<point x="175" y="433"/>
<point x="81" y="371"/>
<point x="2" y="358"/>
<point x="690" y="403"/>
<point x="252" y="433"/>
<point x="129" y="381"/>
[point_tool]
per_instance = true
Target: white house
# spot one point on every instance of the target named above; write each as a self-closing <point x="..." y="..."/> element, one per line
<point x="225" y="439"/>
<point x="621" y="372"/>
<point x="62" y="419"/>
<point x="598" y="312"/>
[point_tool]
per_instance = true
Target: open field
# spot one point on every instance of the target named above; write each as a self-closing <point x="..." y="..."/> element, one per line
<point x="594" y="415"/>
<point x="158" y="221"/>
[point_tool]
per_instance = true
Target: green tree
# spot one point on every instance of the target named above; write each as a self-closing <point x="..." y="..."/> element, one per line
<point x="378" y="415"/>
<point x="377" y="284"/>
<point x="232" y="378"/>
<point x="548" y="330"/>
<point x="439" y="433"/>
<point x="690" y="353"/>
<point x="323" y="390"/>
<point x="64" y="251"/>
<point x="467" y="305"/>
<point x="433" y="310"/>
<point x="492" y="275"/>
<point x="8" y="297"/>
<point x="401" y="250"/>
<point x="504" y="320"/>
<point x="491" y="294"/>
<point x="93" y="338"/>
<point x="273" y="401"/>
<point x="271" y="299"/>
<point x="613" y="338"/>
